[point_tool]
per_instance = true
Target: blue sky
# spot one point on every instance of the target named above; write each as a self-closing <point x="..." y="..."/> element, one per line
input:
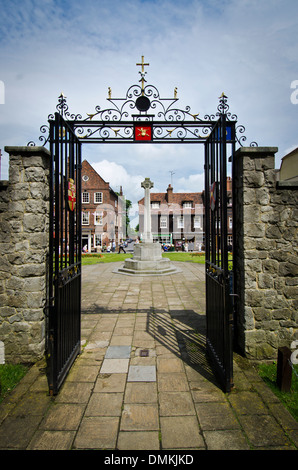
<point x="246" y="48"/>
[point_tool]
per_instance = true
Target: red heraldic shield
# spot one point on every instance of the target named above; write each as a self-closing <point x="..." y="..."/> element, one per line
<point x="71" y="194"/>
<point x="143" y="133"/>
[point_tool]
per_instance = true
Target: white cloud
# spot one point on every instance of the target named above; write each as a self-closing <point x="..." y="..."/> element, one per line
<point x="116" y="175"/>
<point x="193" y="183"/>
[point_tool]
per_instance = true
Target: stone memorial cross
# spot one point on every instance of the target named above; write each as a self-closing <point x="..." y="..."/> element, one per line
<point x="147" y="185"/>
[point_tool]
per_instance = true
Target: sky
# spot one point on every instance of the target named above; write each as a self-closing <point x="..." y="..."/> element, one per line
<point x="247" y="49"/>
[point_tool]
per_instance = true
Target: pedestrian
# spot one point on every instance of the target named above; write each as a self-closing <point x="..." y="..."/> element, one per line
<point x="121" y="247"/>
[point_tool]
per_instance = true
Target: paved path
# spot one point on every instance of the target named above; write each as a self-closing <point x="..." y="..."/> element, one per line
<point x="143" y="381"/>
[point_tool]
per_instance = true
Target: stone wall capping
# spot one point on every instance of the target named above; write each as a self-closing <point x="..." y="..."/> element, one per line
<point x="287" y="185"/>
<point x="27" y="150"/>
<point x="255" y="152"/>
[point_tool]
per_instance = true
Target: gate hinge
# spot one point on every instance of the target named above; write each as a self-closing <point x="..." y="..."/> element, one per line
<point x="46" y="309"/>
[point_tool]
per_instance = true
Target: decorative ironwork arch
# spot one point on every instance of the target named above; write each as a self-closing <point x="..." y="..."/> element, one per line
<point x="142" y="116"/>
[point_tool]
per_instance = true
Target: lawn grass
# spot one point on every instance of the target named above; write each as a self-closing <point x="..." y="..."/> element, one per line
<point x="104" y="258"/>
<point x="113" y="257"/>
<point x="186" y="257"/>
<point x="10" y="375"/>
<point x="268" y="372"/>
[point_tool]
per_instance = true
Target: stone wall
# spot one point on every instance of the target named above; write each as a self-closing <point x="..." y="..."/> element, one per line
<point x="265" y="249"/>
<point x="24" y="225"/>
<point x="266" y="252"/>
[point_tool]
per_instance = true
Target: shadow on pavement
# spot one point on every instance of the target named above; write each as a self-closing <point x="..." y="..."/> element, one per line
<point x="182" y="332"/>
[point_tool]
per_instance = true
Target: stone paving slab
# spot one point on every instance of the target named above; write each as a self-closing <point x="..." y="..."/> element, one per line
<point x="142" y="374"/>
<point x="118" y="352"/>
<point x="97" y="432"/>
<point x="114" y="366"/>
<point x="141" y="392"/>
<point x="181" y="432"/>
<point x="140" y="417"/>
<point x="138" y="440"/>
<point x="116" y="398"/>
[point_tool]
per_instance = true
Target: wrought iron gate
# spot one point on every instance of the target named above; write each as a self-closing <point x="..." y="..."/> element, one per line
<point x="141" y="116"/>
<point x="219" y="278"/>
<point x="64" y="291"/>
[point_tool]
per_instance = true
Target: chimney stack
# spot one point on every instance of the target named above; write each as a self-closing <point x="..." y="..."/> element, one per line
<point x="170" y="194"/>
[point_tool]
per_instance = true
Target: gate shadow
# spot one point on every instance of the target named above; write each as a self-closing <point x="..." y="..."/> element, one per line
<point x="188" y="329"/>
<point x="182" y="332"/>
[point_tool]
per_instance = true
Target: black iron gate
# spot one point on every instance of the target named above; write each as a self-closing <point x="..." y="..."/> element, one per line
<point x="141" y="116"/>
<point x="219" y="263"/>
<point x="64" y="291"/>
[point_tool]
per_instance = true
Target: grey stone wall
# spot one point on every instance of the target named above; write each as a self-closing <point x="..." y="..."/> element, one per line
<point x="24" y="225"/>
<point x="266" y="252"/>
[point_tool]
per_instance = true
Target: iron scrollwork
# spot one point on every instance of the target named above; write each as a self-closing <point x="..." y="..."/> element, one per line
<point x="142" y="104"/>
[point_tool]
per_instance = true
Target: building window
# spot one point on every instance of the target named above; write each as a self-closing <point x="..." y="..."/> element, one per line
<point x="98" y="218"/>
<point x="85" y="198"/>
<point x="230" y="222"/>
<point x="97" y="239"/>
<point x="187" y="205"/>
<point x="163" y="222"/>
<point x="198" y="221"/>
<point x="85" y="218"/>
<point x="98" y="198"/>
<point x="180" y="222"/>
<point x="154" y="205"/>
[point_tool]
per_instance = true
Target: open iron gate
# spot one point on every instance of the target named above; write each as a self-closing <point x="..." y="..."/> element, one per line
<point x="219" y="264"/>
<point x="64" y="287"/>
<point x="141" y="116"/>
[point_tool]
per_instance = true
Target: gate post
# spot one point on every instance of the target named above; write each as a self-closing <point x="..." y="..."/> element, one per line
<point x="24" y="240"/>
<point x="256" y="271"/>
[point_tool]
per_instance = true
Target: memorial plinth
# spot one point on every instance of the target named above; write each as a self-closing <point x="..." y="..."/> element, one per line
<point x="148" y="261"/>
<point x="147" y="257"/>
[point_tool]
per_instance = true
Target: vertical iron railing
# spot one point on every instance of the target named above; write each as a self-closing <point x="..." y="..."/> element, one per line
<point x="219" y="307"/>
<point x="64" y="292"/>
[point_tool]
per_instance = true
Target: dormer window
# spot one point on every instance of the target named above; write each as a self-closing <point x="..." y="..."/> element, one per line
<point x="155" y="205"/>
<point x="187" y="205"/>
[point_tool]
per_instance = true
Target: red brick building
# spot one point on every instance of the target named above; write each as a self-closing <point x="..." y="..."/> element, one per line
<point x="103" y="211"/>
<point x="229" y="214"/>
<point x="176" y="219"/>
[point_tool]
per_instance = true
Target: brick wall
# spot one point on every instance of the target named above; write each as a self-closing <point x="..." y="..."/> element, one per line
<point x="108" y="207"/>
